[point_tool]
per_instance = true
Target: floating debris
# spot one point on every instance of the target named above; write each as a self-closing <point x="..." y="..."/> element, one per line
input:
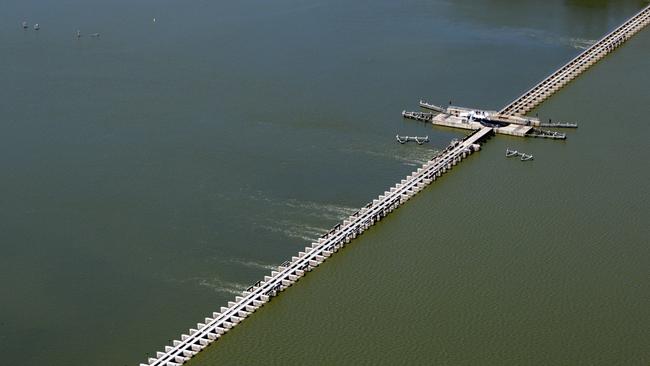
<point x="95" y="35"/>
<point x="523" y="156"/>
<point x="405" y="139"/>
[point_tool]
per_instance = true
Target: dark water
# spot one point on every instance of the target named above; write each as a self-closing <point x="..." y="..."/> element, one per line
<point x="150" y="174"/>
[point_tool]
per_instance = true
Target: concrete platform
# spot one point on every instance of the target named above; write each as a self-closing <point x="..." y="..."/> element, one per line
<point x="447" y="120"/>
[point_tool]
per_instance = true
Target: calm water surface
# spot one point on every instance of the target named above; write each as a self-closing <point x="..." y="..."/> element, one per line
<point x="154" y="172"/>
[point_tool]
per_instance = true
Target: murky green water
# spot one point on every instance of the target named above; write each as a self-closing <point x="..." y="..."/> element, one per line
<point x="152" y="173"/>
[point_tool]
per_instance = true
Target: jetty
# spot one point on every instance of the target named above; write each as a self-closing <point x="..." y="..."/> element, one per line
<point x="510" y="120"/>
<point x="467" y="123"/>
<point x="559" y="124"/>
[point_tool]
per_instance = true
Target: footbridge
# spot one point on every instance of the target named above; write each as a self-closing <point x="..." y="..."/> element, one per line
<point x="218" y="323"/>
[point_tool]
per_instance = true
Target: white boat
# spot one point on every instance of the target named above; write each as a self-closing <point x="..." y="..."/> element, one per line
<point x="477" y="116"/>
<point x="510" y="153"/>
<point x="522" y="156"/>
<point x="526" y="157"/>
<point x="405" y="139"/>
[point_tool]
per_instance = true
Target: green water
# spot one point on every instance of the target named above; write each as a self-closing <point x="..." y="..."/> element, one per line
<point x="152" y="173"/>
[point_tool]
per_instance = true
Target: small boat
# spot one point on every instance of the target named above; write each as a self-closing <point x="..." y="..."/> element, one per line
<point x="522" y="156"/>
<point x="78" y="33"/>
<point x="405" y="139"/>
<point x="94" y="35"/>
<point x="479" y="116"/>
<point x="25" y="25"/>
<point x="510" y="153"/>
<point x="37" y="26"/>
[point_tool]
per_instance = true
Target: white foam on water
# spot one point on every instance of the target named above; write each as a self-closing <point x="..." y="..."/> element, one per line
<point x="328" y="211"/>
<point x="219" y="285"/>
<point x="580" y="43"/>
<point x="214" y="283"/>
<point x="554" y="39"/>
<point x="410" y="157"/>
<point x="296" y="230"/>
<point x="550" y="38"/>
<point x="254" y="264"/>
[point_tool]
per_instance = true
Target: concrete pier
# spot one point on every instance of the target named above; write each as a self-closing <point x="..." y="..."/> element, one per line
<point x="448" y="120"/>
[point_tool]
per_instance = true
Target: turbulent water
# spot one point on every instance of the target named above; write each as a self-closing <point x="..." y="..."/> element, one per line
<point x="152" y="172"/>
